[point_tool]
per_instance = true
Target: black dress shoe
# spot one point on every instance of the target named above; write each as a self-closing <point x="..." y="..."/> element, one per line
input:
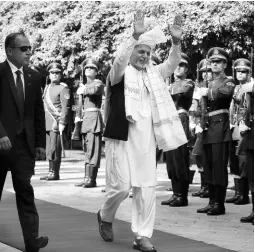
<point x="217" y="209"/>
<point x="248" y="219"/>
<point x="105" y="228"/>
<point x="167" y="202"/>
<point x="179" y="202"/>
<point x="42" y="242"/>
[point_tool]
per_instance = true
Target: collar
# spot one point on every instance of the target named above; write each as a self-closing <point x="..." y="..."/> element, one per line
<point x="14" y="68"/>
<point x="223" y="75"/>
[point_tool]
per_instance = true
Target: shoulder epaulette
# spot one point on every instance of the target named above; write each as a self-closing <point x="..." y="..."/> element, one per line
<point x="63" y="84"/>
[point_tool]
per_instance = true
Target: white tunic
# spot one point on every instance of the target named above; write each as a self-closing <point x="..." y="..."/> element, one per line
<point x="137" y="156"/>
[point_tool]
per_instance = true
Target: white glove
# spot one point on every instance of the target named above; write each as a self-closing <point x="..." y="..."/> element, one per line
<point x="203" y="91"/>
<point x="61" y="128"/>
<point x="81" y="89"/>
<point x="248" y="87"/>
<point x="232" y="126"/>
<point x="77" y="119"/>
<point x="196" y="94"/>
<point x="198" y="129"/>
<point x="192" y="125"/>
<point x="243" y="127"/>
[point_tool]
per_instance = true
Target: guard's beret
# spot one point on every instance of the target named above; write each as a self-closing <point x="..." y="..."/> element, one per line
<point x="217" y="53"/>
<point x="203" y="65"/>
<point x="185" y="59"/>
<point x="54" y="67"/>
<point x="90" y="62"/>
<point x="242" y="64"/>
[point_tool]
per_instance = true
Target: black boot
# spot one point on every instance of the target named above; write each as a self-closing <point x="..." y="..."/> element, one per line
<point x="205" y="192"/>
<point x="244" y="188"/>
<point x="91" y="182"/>
<point x="182" y="199"/>
<point x="50" y="171"/>
<point x="218" y="208"/>
<point x="55" y="172"/>
<point x="86" y="176"/>
<point x="249" y="218"/>
<point x="211" y="200"/>
<point x="198" y="193"/>
<point x="169" y="201"/>
<point x="175" y="193"/>
<point x="237" y="192"/>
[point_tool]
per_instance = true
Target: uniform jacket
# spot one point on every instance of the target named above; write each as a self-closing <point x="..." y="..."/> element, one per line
<point x="182" y="93"/>
<point x="220" y="93"/>
<point x="92" y="120"/>
<point x="247" y="140"/>
<point x="34" y="116"/>
<point x="58" y="96"/>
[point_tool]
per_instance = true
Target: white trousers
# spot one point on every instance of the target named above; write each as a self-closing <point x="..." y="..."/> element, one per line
<point x="118" y="185"/>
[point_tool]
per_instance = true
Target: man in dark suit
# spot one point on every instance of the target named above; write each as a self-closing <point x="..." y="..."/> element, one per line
<point x="22" y="132"/>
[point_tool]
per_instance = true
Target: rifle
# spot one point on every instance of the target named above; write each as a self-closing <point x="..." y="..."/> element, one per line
<point x="233" y="70"/>
<point x="204" y="100"/>
<point x="197" y="80"/>
<point x="77" y="128"/>
<point x="198" y="146"/>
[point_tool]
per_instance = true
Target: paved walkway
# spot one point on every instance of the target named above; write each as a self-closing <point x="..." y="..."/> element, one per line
<point x="225" y="231"/>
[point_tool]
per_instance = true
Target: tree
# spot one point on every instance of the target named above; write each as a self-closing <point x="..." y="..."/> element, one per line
<point x="71" y="31"/>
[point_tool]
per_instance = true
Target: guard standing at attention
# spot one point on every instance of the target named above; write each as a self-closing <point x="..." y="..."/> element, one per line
<point x="57" y="106"/>
<point x="237" y="110"/>
<point x="204" y="67"/>
<point x="92" y="125"/>
<point x="178" y="160"/>
<point x="217" y="136"/>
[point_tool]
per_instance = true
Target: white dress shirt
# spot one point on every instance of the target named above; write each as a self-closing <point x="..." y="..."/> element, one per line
<point x="14" y="69"/>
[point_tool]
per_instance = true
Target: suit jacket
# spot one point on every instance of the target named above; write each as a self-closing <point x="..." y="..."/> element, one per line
<point x="34" y="116"/>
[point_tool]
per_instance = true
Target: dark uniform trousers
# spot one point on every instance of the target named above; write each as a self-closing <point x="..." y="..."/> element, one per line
<point x="92" y="145"/>
<point x="178" y="163"/>
<point x="21" y="164"/>
<point x="178" y="160"/>
<point x="53" y="149"/>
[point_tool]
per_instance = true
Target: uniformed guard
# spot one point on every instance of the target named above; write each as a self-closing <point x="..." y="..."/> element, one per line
<point x="237" y="109"/>
<point x="204" y="67"/>
<point x="57" y="106"/>
<point x="92" y="125"/>
<point x="218" y="135"/>
<point x="246" y="144"/>
<point x="178" y="160"/>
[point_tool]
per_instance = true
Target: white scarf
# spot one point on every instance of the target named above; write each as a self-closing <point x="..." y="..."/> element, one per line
<point x="168" y="129"/>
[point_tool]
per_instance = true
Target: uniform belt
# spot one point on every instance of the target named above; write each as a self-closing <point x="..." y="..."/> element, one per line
<point x="217" y="112"/>
<point x="92" y="109"/>
<point x="182" y="111"/>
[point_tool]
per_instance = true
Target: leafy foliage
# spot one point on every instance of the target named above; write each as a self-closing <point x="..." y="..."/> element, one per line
<point x="71" y="31"/>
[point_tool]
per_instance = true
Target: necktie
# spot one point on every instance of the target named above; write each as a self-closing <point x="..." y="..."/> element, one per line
<point x="20" y="93"/>
<point x="20" y="89"/>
